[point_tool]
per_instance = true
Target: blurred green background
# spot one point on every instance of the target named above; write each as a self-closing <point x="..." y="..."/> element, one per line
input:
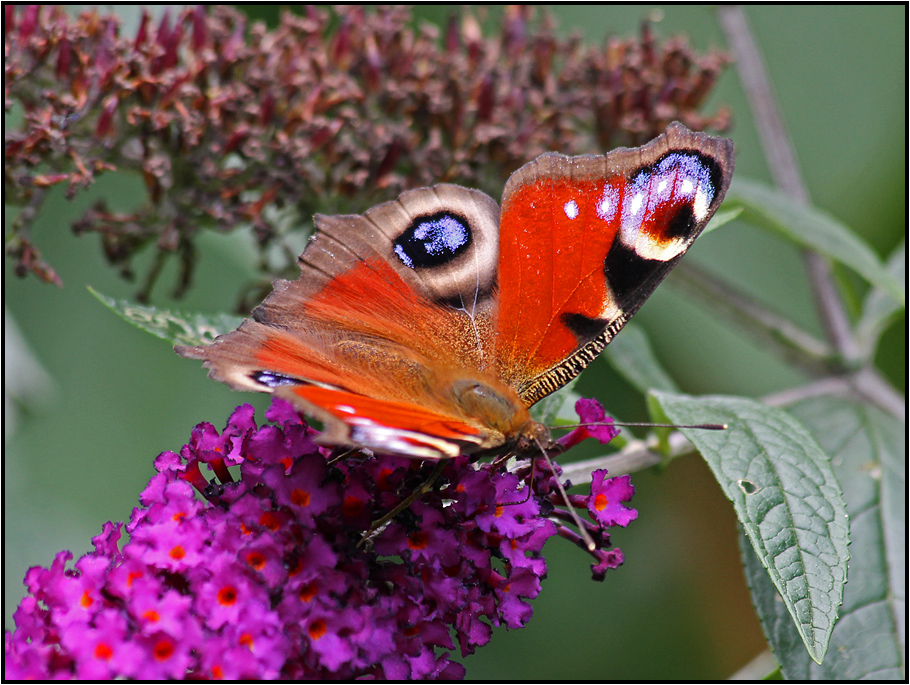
<point x="104" y="399"/>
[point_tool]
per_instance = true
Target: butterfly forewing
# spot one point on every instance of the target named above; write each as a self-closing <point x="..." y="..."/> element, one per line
<point x="391" y="310"/>
<point x="587" y="239"/>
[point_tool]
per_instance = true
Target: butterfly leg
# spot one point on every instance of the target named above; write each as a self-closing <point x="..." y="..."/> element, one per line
<point x="530" y="482"/>
<point x="419" y="492"/>
<point x="582" y="528"/>
<point x="346" y="453"/>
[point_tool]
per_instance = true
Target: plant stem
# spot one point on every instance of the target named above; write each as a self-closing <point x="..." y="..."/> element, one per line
<point x="636" y="456"/>
<point x="770" y="330"/>
<point x="866" y="382"/>
<point x="760" y="668"/>
<point x="784" y="168"/>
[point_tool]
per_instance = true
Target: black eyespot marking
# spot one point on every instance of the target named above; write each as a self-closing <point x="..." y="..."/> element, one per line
<point x="682" y="225"/>
<point x="715" y="173"/>
<point x="273" y="380"/>
<point x="584" y="328"/>
<point x="626" y="272"/>
<point x="433" y="240"/>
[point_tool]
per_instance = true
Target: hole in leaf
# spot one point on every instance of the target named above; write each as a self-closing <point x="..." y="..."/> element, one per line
<point x="747" y="486"/>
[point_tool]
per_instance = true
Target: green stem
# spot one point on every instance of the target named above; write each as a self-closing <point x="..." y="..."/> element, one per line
<point x="865" y="382"/>
<point x="770" y="330"/>
<point x="784" y="168"/>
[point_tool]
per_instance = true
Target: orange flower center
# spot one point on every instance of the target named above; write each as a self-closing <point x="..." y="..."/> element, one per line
<point x="418" y="540"/>
<point x="308" y="591"/>
<point x="301" y="498"/>
<point x="103" y="651"/>
<point x="256" y="560"/>
<point x="317" y="629"/>
<point x="163" y="650"/>
<point x="227" y="596"/>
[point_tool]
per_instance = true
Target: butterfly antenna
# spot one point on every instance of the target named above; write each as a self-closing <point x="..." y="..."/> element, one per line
<point x="702" y="426"/>
<point x="582" y="529"/>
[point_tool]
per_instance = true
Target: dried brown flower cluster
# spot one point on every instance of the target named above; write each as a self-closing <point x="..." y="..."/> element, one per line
<point x="332" y="111"/>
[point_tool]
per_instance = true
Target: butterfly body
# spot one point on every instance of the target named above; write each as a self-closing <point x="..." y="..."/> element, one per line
<point x="429" y="325"/>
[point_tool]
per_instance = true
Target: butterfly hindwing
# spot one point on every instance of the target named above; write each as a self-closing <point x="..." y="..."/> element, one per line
<point x="384" y="329"/>
<point x="394" y="426"/>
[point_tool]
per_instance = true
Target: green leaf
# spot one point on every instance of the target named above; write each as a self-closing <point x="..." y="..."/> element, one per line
<point x="175" y="327"/>
<point x="722" y="217"/>
<point x="879" y="308"/>
<point x="868" y="450"/>
<point x="786" y="497"/>
<point x="812" y="228"/>
<point x="631" y="355"/>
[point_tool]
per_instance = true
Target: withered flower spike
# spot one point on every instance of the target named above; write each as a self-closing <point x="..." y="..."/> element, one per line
<point x="332" y="111"/>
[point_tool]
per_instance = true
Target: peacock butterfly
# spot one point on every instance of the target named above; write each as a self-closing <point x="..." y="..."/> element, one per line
<point x="428" y="326"/>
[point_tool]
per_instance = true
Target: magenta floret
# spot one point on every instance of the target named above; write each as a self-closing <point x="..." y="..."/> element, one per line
<point x="269" y="574"/>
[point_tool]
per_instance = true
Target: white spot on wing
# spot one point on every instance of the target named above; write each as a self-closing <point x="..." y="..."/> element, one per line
<point x="700" y="205"/>
<point x="410" y="443"/>
<point x="571" y="209"/>
<point x="609" y="200"/>
<point x="637" y="202"/>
